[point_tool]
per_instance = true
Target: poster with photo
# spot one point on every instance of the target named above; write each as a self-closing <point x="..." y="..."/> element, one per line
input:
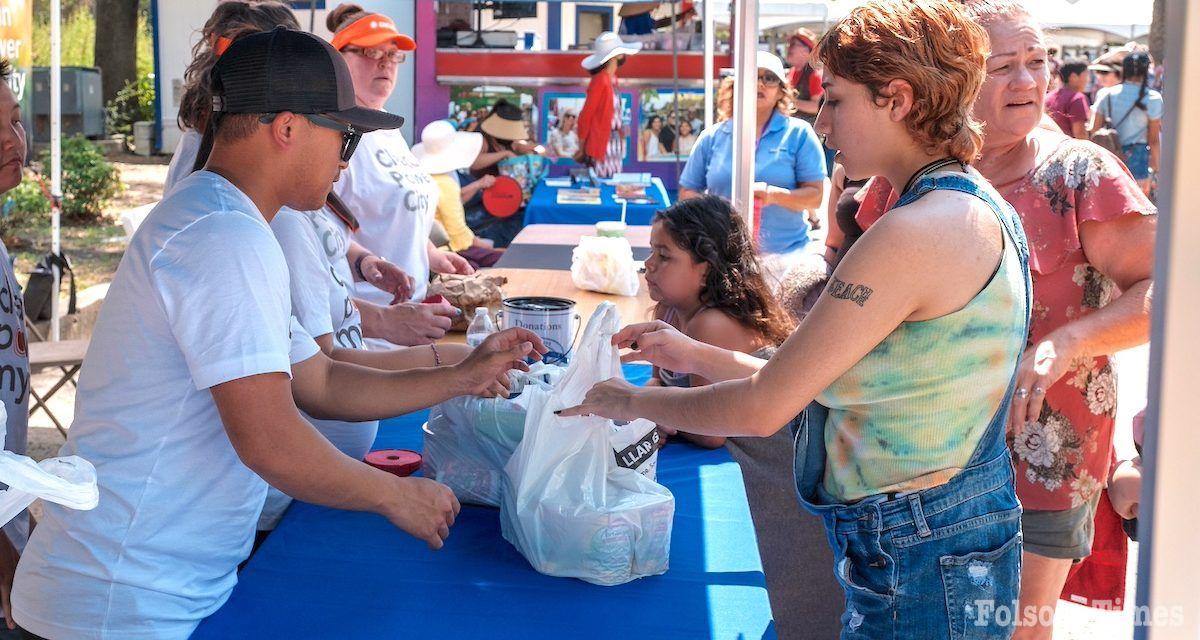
<point x="560" y="131"/>
<point x="667" y="128"/>
<point x="470" y="103"/>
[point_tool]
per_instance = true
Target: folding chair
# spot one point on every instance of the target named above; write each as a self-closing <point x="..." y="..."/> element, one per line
<point x="67" y="355"/>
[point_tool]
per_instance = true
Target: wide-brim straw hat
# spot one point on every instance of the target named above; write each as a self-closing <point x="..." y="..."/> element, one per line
<point x="606" y="47"/>
<point x="505" y="122"/>
<point x="630" y="9"/>
<point x="443" y="149"/>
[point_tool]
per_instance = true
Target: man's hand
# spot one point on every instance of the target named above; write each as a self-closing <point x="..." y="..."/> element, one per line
<point x="449" y="262"/>
<point x="485" y="371"/>
<point x="411" y="324"/>
<point x="424" y="509"/>
<point x="388" y="278"/>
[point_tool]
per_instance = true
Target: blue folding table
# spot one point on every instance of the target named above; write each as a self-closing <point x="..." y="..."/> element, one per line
<point x="543" y="206"/>
<point x="329" y="573"/>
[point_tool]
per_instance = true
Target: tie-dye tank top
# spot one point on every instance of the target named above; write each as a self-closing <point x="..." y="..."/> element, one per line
<point x="909" y="415"/>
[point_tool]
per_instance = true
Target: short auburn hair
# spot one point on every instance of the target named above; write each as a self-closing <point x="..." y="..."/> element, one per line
<point x="931" y="44"/>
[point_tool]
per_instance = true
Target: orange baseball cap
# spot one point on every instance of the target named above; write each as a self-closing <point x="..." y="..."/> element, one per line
<point x="372" y="30"/>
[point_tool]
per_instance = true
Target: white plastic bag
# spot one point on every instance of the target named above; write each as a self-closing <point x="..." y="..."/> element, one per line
<point x="567" y="505"/>
<point x="605" y="265"/>
<point x="69" y="480"/>
<point x="469" y="439"/>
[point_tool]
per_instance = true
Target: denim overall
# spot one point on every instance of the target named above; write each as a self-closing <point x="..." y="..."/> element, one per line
<point x="944" y="562"/>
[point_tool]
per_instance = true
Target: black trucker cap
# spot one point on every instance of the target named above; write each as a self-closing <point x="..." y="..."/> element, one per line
<point x="296" y="71"/>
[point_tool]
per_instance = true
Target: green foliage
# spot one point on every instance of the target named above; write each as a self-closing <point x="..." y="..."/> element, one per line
<point x="22" y="206"/>
<point x="78" y="39"/>
<point x="134" y="102"/>
<point x="89" y="181"/>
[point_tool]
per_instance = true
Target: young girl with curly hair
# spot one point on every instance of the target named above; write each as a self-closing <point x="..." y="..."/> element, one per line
<point x="705" y="276"/>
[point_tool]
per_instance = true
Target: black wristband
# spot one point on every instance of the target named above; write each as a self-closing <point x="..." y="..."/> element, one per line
<point x="358" y="265"/>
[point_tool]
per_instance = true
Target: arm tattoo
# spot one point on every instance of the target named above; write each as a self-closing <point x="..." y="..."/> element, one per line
<point x="855" y="293"/>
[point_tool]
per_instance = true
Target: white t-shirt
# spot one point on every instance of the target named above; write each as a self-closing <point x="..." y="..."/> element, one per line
<point x="14" y="381"/>
<point x="314" y="244"/>
<point x="183" y="159"/>
<point x="394" y="201"/>
<point x="200" y="298"/>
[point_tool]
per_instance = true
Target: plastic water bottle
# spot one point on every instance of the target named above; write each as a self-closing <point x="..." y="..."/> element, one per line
<point x="481" y="327"/>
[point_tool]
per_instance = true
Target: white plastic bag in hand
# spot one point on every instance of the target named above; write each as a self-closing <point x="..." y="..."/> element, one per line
<point x="469" y="439"/>
<point x="69" y="480"/>
<point x="604" y="264"/>
<point x="567" y="505"/>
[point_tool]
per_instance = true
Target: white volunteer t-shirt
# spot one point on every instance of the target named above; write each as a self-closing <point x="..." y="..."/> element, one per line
<point x="394" y="201"/>
<point x="183" y="159"/>
<point x="200" y="298"/>
<point x="14" y="381"/>
<point x="315" y="246"/>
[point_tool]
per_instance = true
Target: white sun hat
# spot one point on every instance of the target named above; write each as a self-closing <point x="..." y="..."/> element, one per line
<point x="606" y="47"/>
<point x="771" y="62"/>
<point x="442" y="149"/>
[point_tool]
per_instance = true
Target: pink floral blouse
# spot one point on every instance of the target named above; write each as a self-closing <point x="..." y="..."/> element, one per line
<point x="1062" y="459"/>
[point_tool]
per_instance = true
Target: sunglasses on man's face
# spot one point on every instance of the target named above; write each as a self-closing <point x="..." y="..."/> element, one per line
<point x="350" y="135"/>
<point x="769" y="79"/>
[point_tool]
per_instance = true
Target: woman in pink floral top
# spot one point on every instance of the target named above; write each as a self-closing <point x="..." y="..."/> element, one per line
<point x="1091" y="242"/>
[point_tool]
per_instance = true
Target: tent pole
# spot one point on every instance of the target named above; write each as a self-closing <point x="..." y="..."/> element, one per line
<point x="744" y="106"/>
<point x="709" y="44"/>
<point x="55" y="156"/>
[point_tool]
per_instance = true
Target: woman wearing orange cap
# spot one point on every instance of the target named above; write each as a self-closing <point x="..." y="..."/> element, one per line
<point x="385" y="187"/>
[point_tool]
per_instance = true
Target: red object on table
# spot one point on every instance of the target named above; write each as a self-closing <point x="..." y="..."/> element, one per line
<point x="504" y="198"/>
<point x="400" y="462"/>
<point x="436" y="298"/>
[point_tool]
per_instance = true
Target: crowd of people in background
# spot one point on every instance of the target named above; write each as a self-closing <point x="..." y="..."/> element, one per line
<point x="284" y="277"/>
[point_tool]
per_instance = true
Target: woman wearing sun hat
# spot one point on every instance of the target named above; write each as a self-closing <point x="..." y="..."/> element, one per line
<point x="601" y="131"/>
<point x="442" y="152"/>
<point x="393" y="198"/>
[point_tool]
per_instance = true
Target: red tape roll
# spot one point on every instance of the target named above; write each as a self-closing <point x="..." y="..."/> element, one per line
<point x="400" y="462"/>
<point x="504" y="198"/>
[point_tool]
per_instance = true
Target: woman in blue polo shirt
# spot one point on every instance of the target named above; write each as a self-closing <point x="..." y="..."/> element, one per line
<point x="789" y="164"/>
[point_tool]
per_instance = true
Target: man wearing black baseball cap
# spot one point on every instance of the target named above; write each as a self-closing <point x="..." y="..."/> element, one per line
<point x="185" y="404"/>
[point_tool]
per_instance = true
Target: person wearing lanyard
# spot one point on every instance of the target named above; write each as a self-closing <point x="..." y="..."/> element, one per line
<point x="789" y="166"/>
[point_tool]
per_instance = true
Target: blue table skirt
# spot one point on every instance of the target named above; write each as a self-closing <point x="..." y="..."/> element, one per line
<point x="328" y="573"/>
<point x="543" y="207"/>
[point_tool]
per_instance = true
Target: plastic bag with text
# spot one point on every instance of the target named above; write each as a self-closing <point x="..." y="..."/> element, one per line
<point x="605" y="265"/>
<point x="69" y="480"/>
<point x="569" y="504"/>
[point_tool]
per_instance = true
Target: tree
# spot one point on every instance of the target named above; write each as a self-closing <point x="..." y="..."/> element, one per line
<point x="1158" y="32"/>
<point x="116" y="43"/>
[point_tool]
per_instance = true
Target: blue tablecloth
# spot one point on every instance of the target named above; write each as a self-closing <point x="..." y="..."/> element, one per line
<point x="328" y="573"/>
<point x="543" y="207"/>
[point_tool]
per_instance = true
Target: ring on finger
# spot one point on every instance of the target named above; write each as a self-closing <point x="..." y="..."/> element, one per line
<point x="1022" y="393"/>
<point x="1039" y="391"/>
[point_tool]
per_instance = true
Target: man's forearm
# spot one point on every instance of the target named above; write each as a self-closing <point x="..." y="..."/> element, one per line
<point x="356" y="393"/>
